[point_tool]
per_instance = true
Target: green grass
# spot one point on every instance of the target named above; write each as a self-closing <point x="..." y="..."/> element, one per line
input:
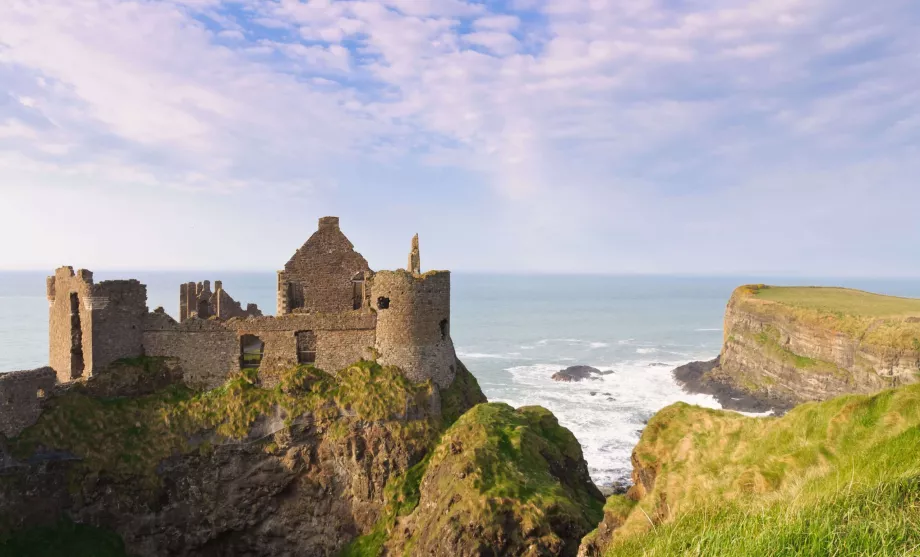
<point x="130" y="436"/>
<point x="842" y="300"/>
<point x="503" y="476"/>
<point x="768" y="339"/>
<point x="885" y="321"/>
<point x="840" y="477"/>
<point x="64" y="539"/>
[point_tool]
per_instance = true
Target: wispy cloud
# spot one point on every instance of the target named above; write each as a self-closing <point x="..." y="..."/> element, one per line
<point x="575" y="124"/>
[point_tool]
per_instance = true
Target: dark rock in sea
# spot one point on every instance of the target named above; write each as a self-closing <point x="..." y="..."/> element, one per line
<point x="658" y="364"/>
<point x="617" y="487"/>
<point x="577" y="373"/>
<point x="593" y="393"/>
<point x="611" y="399"/>
<point x="694" y="378"/>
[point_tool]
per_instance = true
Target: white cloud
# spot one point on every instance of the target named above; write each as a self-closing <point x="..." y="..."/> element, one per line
<point x="571" y="105"/>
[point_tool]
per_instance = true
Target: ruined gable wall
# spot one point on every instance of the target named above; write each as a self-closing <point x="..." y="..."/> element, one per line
<point x="413" y="324"/>
<point x="21" y="395"/>
<point x="321" y="271"/>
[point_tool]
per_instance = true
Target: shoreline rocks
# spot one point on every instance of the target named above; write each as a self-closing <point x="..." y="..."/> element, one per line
<point x="695" y="377"/>
<point x="579" y="373"/>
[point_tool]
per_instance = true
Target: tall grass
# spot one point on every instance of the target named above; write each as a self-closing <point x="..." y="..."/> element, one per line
<point x="840" y="477"/>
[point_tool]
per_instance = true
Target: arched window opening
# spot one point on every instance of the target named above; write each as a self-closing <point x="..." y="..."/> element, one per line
<point x="383" y="303"/>
<point x="306" y="347"/>
<point x="251" y="350"/>
<point x="444" y="329"/>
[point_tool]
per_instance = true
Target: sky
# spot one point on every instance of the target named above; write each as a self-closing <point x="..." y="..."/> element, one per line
<point x="774" y="137"/>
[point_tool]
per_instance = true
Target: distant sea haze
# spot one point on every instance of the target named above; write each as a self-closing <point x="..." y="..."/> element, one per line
<point x="513" y="332"/>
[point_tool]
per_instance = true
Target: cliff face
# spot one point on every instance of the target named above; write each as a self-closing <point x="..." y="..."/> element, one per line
<point x="365" y="462"/>
<point x="240" y="470"/>
<point x="796" y="345"/>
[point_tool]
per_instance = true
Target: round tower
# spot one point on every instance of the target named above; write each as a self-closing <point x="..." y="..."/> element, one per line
<point x="413" y="324"/>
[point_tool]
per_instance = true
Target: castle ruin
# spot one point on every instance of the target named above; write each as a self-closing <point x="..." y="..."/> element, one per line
<point x="332" y="310"/>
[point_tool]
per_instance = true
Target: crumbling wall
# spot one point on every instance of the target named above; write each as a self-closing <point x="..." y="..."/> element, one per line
<point x="341" y="339"/>
<point x="92" y="325"/>
<point x="207" y="351"/>
<point x="337" y="349"/>
<point x="21" y="396"/>
<point x="319" y="277"/>
<point x="197" y="300"/>
<point x="118" y="311"/>
<point x="413" y="324"/>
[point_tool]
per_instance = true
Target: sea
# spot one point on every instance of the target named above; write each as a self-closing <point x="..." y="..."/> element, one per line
<point x="513" y="332"/>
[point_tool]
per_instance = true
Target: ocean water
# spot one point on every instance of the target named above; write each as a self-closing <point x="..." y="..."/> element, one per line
<point x="513" y="332"/>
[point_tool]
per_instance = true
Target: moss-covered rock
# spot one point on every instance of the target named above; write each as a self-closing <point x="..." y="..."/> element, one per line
<point x="500" y="482"/>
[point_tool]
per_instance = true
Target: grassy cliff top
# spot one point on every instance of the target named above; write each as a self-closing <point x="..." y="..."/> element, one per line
<point x="839" y="477"/>
<point x="886" y="321"/>
<point x="842" y="300"/>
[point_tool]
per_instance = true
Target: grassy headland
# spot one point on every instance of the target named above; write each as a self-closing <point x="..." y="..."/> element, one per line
<point x="839" y="477"/>
<point x="876" y="319"/>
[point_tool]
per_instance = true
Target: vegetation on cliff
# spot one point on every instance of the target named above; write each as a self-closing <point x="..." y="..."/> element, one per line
<point x="129" y="436"/>
<point x="839" y="477"/>
<point x="875" y="319"/>
<point x="500" y="481"/>
<point x="63" y="538"/>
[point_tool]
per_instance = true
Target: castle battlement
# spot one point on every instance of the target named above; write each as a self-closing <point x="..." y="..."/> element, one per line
<point x="332" y="311"/>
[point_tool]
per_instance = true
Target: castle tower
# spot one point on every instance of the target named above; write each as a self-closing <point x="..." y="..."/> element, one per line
<point x="92" y="325"/>
<point x="415" y="264"/>
<point x="413" y="324"/>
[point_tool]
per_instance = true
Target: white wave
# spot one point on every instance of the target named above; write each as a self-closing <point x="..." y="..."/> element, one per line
<point x="646" y="350"/>
<point x="599" y="345"/>
<point x="483" y="355"/>
<point x="707" y="330"/>
<point x="605" y="413"/>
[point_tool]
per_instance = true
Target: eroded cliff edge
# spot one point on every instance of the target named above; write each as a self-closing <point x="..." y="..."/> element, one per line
<point x="784" y="346"/>
<point x="358" y="462"/>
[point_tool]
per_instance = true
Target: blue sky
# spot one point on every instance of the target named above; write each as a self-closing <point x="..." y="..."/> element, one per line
<point x="769" y="137"/>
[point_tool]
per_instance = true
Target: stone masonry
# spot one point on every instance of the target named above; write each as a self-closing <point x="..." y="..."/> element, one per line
<point x="92" y="325"/>
<point x="333" y="310"/>
<point x="21" y="396"/>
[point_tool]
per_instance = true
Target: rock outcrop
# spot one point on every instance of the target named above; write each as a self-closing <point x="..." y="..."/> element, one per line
<point x="364" y="462"/>
<point x="792" y="345"/>
<point x="578" y="373"/>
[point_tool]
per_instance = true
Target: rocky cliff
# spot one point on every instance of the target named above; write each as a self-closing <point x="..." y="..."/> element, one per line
<point x="791" y="345"/>
<point x="358" y="462"/>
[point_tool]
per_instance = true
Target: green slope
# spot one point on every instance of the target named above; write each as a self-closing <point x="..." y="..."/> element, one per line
<point x="841" y="477"/>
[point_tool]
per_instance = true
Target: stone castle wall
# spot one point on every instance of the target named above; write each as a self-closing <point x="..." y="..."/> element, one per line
<point x="21" y="396"/>
<point x="92" y="325"/>
<point x="210" y="350"/>
<point x="413" y="324"/>
<point x="318" y="278"/>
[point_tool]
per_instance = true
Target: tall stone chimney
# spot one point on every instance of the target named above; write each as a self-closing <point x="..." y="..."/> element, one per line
<point x="415" y="263"/>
